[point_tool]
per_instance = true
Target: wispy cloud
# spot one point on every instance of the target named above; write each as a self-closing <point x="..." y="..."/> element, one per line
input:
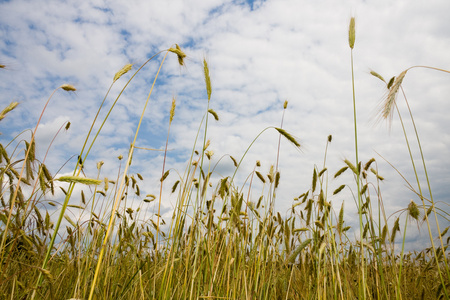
<point x="259" y="56"/>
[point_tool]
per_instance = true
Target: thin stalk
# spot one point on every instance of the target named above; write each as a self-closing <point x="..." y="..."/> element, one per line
<point x="196" y="204"/>
<point x="431" y="197"/>
<point x="399" y="277"/>
<point x="121" y="188"/>
<point x="351" y="44"/>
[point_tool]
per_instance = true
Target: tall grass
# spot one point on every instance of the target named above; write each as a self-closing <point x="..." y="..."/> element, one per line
<point x="221" y="241"/>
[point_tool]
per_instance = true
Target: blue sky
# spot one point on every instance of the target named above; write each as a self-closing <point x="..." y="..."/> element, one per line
<point x="260" y="55"/>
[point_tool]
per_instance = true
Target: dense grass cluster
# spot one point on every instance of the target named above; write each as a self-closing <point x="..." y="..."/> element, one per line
<point x="218" y="244"/>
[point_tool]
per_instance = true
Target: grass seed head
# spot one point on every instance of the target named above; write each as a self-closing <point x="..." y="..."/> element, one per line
<point x="7" y="109"/>
<point x="373" y="73"/>
<point x="207" y="78"/>
<point x="208" y="142"/>
<point x="386" y="111"/>
<point x="351" y="33"/>
<point x="288" y="136"/>
<point x="122" y="71"/>
<point x="367" y="165"/>
<point x="395" y="229"/>
<point x="277" y="179"/>
<point x="165" y="175"/>
<point x="215" y="115"/>
<point x="68" y="87"/>
<point x="339" y="189"/>
<point x="77" y="179"/>
<point x="234" y="161"/>
<point x="180" y="54"/>
<point x="413" y="210"/>
<point x="342" y="170"/>
<point x="172" y="109"/>
<point x="209" y="154"/>
<point x="391" y="82"/>
<point x="351" y="166"/>
<point x="260" y="176"/>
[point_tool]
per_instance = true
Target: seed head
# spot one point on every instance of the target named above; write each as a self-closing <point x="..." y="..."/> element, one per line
<point x="413" y="210"/>
<point x="122" y="71"/>
<point x="388" y="104"/>
<point x="373" y="73"/>
<point x="207" y="78"/>
<point x="172" y="109"/>
<point x="214" y="114"/>
<point x="7" y="109"/>
<point x="351" y="33"/>
<point x="77" y="179"/>
<point x="68" y="87"/>
<point x="180" y="54"/>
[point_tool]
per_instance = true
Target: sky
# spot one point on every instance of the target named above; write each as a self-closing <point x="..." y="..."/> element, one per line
<point x="260" y="53"/>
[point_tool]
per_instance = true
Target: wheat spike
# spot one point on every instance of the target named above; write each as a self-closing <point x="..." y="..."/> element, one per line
<point x="351" y="166"/>
<point x="288" y="136"/>
<point x="77" y="179"/>
<point x="180" y="54"/>
<point x="172" y="109"/>
<point x="413" y="210"/>
<point x="395" y="229"/>
<point x="122" y="71"/>
<point x="386" y="111"/>
<point x="339" y="189"/>
<point x="7" y="109"/>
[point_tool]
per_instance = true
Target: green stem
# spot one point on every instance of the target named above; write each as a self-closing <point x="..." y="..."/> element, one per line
<point x="358" y="184"/>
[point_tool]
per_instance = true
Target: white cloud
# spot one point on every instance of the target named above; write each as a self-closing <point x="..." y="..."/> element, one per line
<point x="294" y="50"/>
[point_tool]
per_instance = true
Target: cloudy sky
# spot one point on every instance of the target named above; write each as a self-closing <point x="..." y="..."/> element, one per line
<point x="260" y="53"/>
